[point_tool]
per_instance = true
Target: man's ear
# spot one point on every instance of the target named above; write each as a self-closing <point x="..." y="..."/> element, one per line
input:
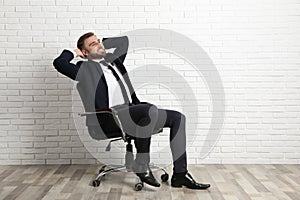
<point x="84" y="53"/>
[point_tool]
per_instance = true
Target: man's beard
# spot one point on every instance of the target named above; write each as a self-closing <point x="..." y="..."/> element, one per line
<point x="96" y="55"/>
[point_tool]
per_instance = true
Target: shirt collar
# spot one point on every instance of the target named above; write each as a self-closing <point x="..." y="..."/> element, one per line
<point x="98" y="60"/>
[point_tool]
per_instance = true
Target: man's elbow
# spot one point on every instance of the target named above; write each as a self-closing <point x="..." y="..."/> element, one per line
<point x="123" y="48"/>
<point x="126" y="42"/>
<point x="57" y="63"/>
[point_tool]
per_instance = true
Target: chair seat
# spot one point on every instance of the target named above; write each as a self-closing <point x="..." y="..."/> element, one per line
<point x="97" y="133"/>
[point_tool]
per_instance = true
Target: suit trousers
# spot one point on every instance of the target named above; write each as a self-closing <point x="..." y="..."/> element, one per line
<point x="142" y="120"/>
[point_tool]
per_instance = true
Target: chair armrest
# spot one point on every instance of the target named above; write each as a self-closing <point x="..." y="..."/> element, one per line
<point x="109" y="111"/>
<point x="98" y="111"/>
<point x="144" y="102"/>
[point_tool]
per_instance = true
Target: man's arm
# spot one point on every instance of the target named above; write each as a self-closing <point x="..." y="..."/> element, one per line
<point x="62" y="64"/>
<point x="120" y="43"/>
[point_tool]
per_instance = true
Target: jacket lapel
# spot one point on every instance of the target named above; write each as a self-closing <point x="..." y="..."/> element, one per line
<point x="123" y="71"/>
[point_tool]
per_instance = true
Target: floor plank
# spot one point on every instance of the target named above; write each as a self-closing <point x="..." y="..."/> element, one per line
<point x="232" y="181"/>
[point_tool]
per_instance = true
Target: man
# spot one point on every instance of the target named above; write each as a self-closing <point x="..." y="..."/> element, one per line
<point x="105" y="84"/>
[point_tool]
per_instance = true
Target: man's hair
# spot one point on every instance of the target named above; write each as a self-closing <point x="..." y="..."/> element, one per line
<point x="80" y="42"/>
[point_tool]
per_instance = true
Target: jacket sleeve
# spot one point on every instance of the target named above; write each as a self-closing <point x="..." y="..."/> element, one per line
<point x="63" y="65"/>
<point x="120" y="43"/>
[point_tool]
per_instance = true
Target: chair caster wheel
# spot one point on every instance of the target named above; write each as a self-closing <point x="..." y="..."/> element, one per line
<point x="164" y="177"/>
<point x="138" y="186"/>
<point x="96" y="183"/>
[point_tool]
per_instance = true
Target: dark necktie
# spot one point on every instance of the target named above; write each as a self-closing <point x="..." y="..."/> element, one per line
<point x="124" y="93"/>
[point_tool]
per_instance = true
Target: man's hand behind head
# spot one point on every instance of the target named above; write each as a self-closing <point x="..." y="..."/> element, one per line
<point x="79" y="53"/>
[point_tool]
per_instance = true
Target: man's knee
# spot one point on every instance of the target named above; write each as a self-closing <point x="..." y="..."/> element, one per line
<point x="153" y="111"/>
<point x="178" y="116"/>
<point x="151" y="116"/>
<point x="144" y="114"/>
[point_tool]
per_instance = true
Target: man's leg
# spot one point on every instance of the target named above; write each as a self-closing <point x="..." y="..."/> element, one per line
<point x="139" y="121"/>
<point x="176" y="121"/>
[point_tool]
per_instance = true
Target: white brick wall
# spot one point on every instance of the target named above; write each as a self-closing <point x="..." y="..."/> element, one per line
<point x="254" y="44"/>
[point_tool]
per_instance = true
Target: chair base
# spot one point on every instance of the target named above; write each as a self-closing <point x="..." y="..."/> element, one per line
<point x="129" y="159"/>
<point x="118" y="168"/>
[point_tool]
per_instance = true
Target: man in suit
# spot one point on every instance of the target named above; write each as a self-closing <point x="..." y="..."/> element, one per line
<point x="103" y="83"/>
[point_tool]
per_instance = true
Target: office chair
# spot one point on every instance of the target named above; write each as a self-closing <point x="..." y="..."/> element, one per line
<point x="129" y="158"/>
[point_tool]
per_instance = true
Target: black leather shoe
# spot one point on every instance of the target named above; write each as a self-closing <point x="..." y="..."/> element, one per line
<point x="145" y="174"/>
<point x="179" y="180"/>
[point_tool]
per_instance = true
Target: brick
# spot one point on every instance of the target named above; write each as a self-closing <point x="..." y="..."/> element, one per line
<point x="35" y="104"/>
<point x="20" y="144"/>
<point x="32" y="92"/>
<point x="59" y="150"/>
<point x="33" y="162"/>
<point x="55" y="126"/>
<point x="45" y="133"/>
<point x="57" y="138"/>
<point x="58" y="161"/>
<point x="32" y="138"/>
<point x="17" y="14"/>
<point x="16" y="133"/>
<point x="83" y="161"/>
<point x="32" y="115"/>
<point x="17" y="26"/>
<point x="72" y="155"/>
<point x="10" y="162"/>
<point x="22" y="121"/>
<point x="30" y="127"/>
<point x="42" y="3"/>
<point x="46" y="156"/>
<point x="45" y="144"/>
<point x="42" y="15"/>
<point x="21" y="156"/>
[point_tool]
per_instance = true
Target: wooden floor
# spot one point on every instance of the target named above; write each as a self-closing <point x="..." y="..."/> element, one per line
<point x="232" y="182"/>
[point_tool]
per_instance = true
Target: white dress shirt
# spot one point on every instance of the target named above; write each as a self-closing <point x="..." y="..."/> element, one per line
<point x="115" y="95"/>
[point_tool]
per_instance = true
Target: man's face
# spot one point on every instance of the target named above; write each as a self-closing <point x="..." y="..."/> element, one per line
<point x="93" y="48"/>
